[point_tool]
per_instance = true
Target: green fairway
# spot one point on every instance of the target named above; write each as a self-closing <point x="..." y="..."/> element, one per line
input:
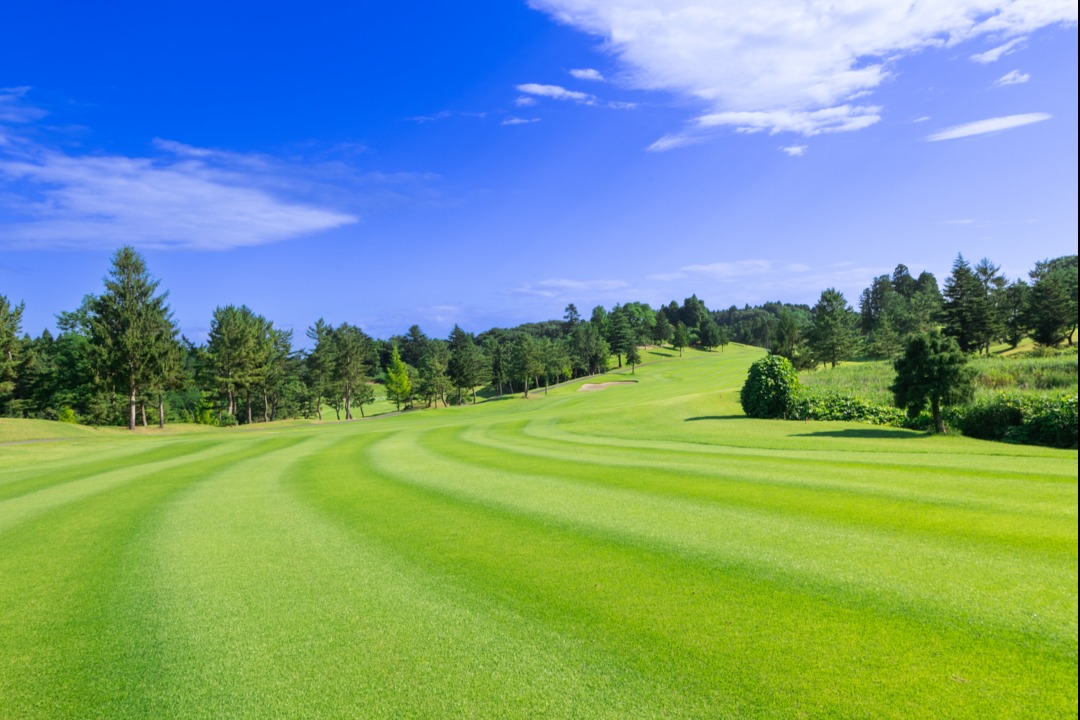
<point x="640" y="550"/>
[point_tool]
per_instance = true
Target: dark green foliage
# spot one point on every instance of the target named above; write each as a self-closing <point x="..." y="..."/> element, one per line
<point x="662" y="329"/>
<point x="633" y="358"/>
<point x="815" y="404"/>
<point x="468" y="367"/>
<point x="833" y="337"/>
<point x="589" y="351"/>
<point x="11" y="346"/>
<point x="967" y="308"/>
<point x="680" y="338"/>
<point x="1012" y="417"/>
<point x="1052" y="305"/>
<point x="931" y="371"/>
<point x="771" y="388"/>
<point x="620" y="333"/>
<point x="130" y="329"/>
<point x="526" y="360"/>
<point x="709" y="334"/>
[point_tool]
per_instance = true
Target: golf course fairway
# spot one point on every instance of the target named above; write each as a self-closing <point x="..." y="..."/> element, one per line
<point x="638" y="551"/>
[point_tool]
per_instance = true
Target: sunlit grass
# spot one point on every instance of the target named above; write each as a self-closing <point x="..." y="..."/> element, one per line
<point x="637" y="551"/>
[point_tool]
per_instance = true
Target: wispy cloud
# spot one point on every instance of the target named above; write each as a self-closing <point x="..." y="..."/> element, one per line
<point x="587" y="74"/>
<point x="525" y="101"/>
<point x="446" y="115"/>
<point x="15" y="109"/>
<point x="561" y="287"/>
<point x="176" y="196"/>
<point x="996" y="53"/>
<point x="1013" y="77"/>
<point x="779" y="66"/>
<point x="981" y="127"/>
<point x="795" y="150"/>
<point x="557" y="92"/>
<point x="519" y="121"/>
<point x="722" y="271"/>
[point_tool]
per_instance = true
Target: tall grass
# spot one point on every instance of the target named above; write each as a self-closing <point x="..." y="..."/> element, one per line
<point x="1026" y="374"/>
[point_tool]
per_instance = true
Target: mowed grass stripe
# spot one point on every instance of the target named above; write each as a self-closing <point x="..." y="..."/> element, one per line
<point x="266" y="610"/>
<point x="25" y="481"/>
<point x="723" y="638"/>
<point x="1012" y="591"/>
<point x="62" y="612"/>
<point x="878" y="496"/>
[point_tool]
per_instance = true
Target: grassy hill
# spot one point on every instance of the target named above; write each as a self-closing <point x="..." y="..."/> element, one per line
<point x="638" y="550"/>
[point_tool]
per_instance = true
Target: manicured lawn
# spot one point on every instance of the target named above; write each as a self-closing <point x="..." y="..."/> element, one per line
<point x="637" y="551"/>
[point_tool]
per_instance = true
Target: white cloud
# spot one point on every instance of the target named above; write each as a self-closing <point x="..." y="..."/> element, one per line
<point x="980" y="127"/>
<point x="921" y="118"/>
<point x="525" y="101"/>
<point x="555" y="92"/>
<point x="108" y="200"/>
<point x="14" y="109"/>
<point x="996" y="53"/>
<point x="795" y="150"/>
<point x="588" y="74"/>
<point x="784" y="66"/>
<point x="723" y="271"/>
<point x="559" y="287"/>
<point x="1013" y="77"/>
<point x="520" y="121"/>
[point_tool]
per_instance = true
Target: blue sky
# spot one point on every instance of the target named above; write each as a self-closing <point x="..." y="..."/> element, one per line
<point x="486" y="164"/>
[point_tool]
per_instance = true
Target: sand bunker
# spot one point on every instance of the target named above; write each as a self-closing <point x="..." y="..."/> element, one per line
<point x="589" y="387"/>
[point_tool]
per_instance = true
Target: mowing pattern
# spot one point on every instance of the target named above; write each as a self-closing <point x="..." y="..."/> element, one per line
<point x="639" y="551"/>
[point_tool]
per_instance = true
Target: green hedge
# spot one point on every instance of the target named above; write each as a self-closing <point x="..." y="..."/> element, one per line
<point x="1030" y="419"/>
<point x="1009" y="417"/>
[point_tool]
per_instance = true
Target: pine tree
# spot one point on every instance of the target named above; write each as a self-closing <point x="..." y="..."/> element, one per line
<point x="966" y="310"/>
<point x="931" y="371"/>
<point x="833" y="336"/>
<point x="127" y="324"/>
<point x="398" y="383"/>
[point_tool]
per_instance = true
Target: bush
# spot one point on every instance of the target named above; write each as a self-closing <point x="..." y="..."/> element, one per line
<point x="771" y="388"/>
<point x="818" y="405"/>
<point x="227" y="419"/>
<point x="1030" y="419"/>
<point x="67" y="415"/>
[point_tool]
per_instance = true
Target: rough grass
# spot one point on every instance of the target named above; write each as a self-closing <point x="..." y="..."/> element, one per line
<point x="639" y="552"/>
<point x="871" y="380"/>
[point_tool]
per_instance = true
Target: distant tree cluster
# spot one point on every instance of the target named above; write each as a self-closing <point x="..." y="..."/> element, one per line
<point x="119" y="357"/>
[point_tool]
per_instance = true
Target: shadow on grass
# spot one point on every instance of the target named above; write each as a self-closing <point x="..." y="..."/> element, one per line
<point x="715" y="417"/>
<point x="877" y="433"/>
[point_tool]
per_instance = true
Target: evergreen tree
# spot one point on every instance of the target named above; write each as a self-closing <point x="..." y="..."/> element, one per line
<point x="966" y="309"/>
<point x="526" y="360"/>
<point x="352" y="356"/>
<point x="932" y="370"/>
<point x="833" y="337"/>
<point x="398" y="382"/>
<point x="620" y="334"/>
<point x="633" y="358"/>
<point x="499" y="361"/>
<point x="127" y="322"/>
<point x="680" y="338"/>
<point x="11" y="351"/>
<point x="709" y="334"/>
<point x="467" y="365"/>
<point x="319" y="362"/>
<point x="433" y="373"/>
<point x="1014" y="312"/>
<point x="662" y="329"/>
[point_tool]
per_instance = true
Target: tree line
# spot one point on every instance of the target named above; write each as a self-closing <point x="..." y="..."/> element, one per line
<point x="119" y="358"/>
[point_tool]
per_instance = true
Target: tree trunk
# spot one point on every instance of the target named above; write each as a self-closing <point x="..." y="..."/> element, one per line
<point x="161" y="410"/>
<point x="142" y="410"/>
<point x="526" y="386"/>
<point x="348" y="403"/>
<point x="248" y="400"/>
<point x="131" y="410"/>
<point x="266" y="406"/>
<point x="935" y="410"/>
<point x="318" y="405"/>
<point x="474" y="395"/>
<point x="362" y="415"/>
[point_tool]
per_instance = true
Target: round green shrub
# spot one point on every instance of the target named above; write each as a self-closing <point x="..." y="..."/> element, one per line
<point x="771" y="388"/>
<point x="227" y="419"/>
